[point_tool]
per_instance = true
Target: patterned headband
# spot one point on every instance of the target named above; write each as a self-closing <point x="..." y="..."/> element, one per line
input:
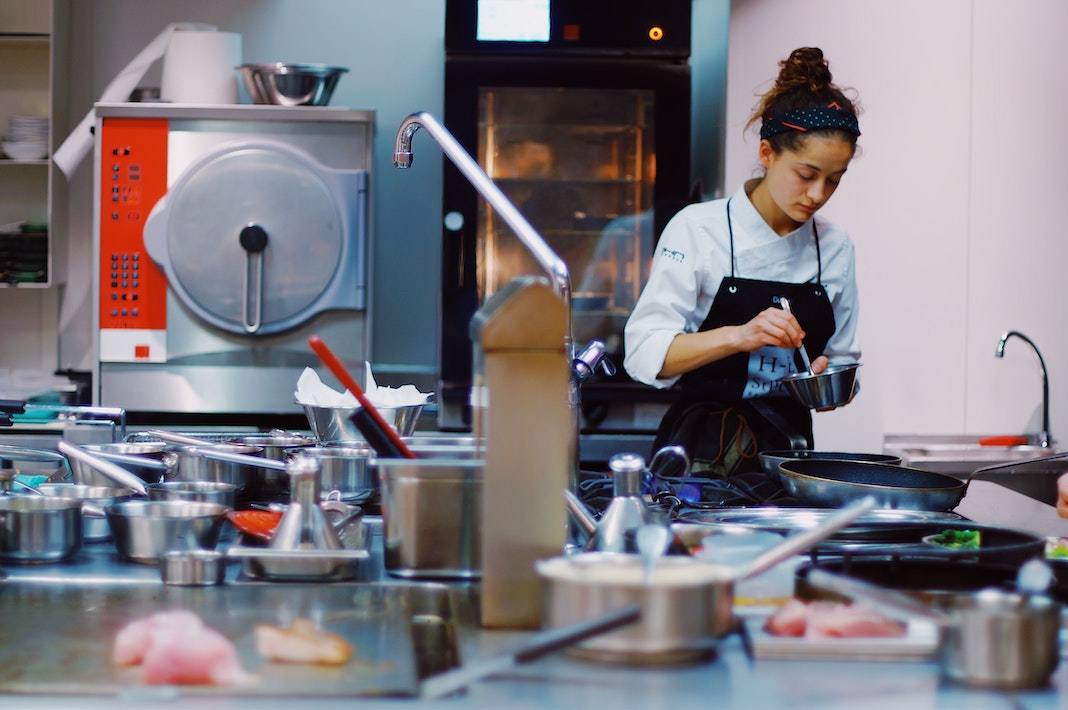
<point x="811" y="119"/>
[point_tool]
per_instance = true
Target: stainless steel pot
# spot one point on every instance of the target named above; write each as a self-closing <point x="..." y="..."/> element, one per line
<point x="193" y="465"/>
<point x="432" y="516"/>
<point x="39" y="528"/>
<point x="149" y="461"/>
<point x="273" y="482"/>
<point x="143" y="530"/>
<point x="832" y="484"/>
<point x="992" y="638"/>
<point x="344" y="469"/>
<point x="687" y="604"/>
<point x="196" y="491"/>
<point x="94" y="525"/>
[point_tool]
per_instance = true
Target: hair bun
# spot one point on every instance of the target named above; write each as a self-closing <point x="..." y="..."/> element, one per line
<point x="805" y="67"/>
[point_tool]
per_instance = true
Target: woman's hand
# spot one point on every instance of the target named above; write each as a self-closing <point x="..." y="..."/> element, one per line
<point x="1062" y="495"/>
<point x="772" y="326"/>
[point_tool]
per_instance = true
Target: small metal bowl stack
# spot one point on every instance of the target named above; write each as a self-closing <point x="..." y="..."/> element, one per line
<point x="285" y="84"/>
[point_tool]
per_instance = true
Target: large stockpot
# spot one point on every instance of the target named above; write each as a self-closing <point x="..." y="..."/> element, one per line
<point x="832" y="484"/>
<point x="39" y="528"/>
<point x="432" y="516"/>
<point x="687" y="604"/>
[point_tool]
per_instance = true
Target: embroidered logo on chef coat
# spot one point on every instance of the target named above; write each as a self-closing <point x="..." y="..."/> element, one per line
<point x="672" y="254"/>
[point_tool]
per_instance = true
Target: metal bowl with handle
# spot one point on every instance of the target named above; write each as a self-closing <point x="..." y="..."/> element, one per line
<point x="832" y="484"/>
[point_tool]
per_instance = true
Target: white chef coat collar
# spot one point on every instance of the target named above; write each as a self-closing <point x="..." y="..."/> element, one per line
<point x="757" y="231"/>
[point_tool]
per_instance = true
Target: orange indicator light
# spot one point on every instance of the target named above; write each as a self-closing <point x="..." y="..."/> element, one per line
<point x="656" y="33"/>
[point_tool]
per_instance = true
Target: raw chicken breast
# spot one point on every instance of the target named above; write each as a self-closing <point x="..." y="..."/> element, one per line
<point x="133" y="640"/>
<point x="176" y="647"/>
<point x="825" y="619"/>
<point x="789" y="620"/>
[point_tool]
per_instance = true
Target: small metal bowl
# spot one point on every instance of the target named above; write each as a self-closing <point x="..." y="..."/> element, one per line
<point x="145" y="529"/>
<point x="284" y="84"/>
<point x="192" y="568"/>
<point x="833" y="387"/>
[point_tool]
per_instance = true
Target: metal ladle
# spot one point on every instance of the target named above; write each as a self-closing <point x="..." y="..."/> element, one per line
<point x="804" y="353"/>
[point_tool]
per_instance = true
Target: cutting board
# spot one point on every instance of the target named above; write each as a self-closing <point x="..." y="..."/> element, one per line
<point x="57" y="639"/>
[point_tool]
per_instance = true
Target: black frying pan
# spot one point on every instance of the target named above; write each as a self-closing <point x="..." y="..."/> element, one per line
<point x="832" y="484"/>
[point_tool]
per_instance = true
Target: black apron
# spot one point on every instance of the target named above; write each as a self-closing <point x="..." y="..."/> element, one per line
<point x="721" y="429"/>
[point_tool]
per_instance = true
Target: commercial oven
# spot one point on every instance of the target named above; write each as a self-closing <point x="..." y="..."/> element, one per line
<point x="580" y="112"/>
<point x="225" y="236"/>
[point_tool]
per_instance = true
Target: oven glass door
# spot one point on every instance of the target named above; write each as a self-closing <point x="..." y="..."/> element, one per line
<point x="579" y="164"/>
<point x="594" y="152"/>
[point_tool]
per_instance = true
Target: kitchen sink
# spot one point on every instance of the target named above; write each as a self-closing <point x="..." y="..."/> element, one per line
<point x="957" y="454"/>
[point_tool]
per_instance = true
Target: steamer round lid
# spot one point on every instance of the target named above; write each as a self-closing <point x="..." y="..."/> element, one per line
<point x="283" y="196"/>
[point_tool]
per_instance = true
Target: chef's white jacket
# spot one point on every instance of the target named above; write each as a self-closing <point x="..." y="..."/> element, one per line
<point x="693" y="256"/>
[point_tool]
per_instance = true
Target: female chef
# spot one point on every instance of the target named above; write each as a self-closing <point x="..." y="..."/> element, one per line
<point x="709" y="321"/>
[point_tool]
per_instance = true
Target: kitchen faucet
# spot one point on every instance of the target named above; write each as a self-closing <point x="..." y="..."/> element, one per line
<point x="593" y="354"/>
<point x="1000" y="352"/>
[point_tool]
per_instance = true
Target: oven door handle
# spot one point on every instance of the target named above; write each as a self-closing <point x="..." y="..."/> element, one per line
<point x="254" y="241"/>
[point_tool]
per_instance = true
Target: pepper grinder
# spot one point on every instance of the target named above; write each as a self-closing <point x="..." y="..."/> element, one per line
<point x="626" y="512"/>
<point x="304" y="525"/>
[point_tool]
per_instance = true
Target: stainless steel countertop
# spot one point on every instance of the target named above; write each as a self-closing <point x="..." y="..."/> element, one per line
<point x="731" y="680"/>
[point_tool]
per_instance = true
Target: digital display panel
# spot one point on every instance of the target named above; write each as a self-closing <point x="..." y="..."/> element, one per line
<point x="512" y="21"/>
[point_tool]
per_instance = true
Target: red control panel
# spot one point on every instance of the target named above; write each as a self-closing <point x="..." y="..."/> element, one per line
<point x="133" y="290"/>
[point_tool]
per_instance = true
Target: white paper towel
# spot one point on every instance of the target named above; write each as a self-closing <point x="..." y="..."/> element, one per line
<point x="312" y="390"/>
<point x="80" y="141"/>
<point x="200" y="68"/>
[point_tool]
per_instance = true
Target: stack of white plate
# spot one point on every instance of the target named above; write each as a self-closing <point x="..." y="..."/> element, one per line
<point x="27" y="137"/>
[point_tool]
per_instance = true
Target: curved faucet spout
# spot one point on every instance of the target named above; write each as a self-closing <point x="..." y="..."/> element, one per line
<point x="553" y="265"/>
<point x="1000" y="352"/>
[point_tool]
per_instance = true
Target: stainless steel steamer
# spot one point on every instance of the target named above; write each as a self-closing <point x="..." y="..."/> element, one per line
<point x="224" y="236"/>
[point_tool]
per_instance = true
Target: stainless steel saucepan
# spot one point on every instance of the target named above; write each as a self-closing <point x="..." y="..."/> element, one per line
<point x="687" y="604"/>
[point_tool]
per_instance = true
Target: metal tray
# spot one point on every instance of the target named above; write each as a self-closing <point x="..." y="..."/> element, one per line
<point x="57" y="639"/>
<point x="273" y="565"/>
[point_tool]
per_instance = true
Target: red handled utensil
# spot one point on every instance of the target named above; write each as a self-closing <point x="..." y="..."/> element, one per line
<point x="381" y="436"/>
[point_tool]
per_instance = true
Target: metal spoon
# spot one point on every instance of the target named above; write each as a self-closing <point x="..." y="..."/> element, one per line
<point x="652" y="541"/>
<point x="804" y="353"/>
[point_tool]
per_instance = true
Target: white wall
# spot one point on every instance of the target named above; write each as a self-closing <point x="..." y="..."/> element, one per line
<point x="952" y="203"/>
